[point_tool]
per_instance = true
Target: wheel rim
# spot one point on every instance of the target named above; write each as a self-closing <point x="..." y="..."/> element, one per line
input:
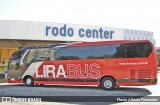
<point x="107" y="84"/>
<point x="28" y="81"/>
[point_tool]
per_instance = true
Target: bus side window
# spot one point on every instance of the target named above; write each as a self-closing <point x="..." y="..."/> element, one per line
<point x="30" y="56"/>
<point x="44" y="54"/>
<point x="138" y="50"/>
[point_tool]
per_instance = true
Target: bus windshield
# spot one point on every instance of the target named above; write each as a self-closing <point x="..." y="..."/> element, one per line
<point x="35" y="55"/>
<point x="15" y="59"/>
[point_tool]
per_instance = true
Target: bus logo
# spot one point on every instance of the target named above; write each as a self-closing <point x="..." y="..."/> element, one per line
<point x="70" y="71"/>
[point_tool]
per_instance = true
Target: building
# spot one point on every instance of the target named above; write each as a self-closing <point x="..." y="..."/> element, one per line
<point x="16" y="34"/>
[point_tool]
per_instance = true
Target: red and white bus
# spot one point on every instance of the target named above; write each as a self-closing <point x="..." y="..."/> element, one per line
<point x="107" y="64"/>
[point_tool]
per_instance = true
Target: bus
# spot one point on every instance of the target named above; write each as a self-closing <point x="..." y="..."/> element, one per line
<point x="107" y="64"/>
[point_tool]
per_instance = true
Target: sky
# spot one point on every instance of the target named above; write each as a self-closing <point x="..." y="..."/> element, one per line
<point x="130" y="14"/>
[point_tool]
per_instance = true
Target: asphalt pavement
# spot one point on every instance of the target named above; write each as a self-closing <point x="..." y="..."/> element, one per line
<point x="89" y="93"/>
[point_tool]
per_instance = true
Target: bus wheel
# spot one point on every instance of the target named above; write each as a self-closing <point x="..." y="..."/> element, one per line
<point x="108" y="83"/>
<point x="29" y="82"/>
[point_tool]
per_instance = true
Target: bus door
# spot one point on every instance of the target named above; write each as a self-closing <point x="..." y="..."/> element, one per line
<point x="40" y="59"/>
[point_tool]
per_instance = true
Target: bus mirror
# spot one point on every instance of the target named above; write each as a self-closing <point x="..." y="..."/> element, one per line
<point x="3" y="62"/>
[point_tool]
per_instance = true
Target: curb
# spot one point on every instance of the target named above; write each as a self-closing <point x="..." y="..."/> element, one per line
<point x="4" y="83"/>
<point x="11" y="83"/>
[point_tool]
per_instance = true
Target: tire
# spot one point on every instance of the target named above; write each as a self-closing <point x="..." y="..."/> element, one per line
<point x="108" y="83"/>
<point x="29" y="82"/>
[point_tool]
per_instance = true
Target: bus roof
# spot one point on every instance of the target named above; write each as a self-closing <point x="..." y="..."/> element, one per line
<point x="107" y="42"/>
<point x="73" y="44"/>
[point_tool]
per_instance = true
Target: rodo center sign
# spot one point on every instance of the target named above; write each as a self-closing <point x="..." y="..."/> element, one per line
<point x="64" y="30"/>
